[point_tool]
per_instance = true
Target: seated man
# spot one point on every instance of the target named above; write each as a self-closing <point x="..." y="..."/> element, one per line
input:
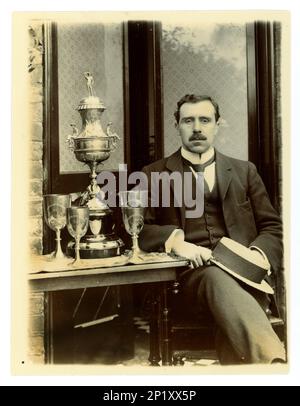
<point x="236" y="205"/>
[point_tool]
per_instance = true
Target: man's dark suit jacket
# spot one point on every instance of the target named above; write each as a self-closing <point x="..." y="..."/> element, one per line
<point x="249" y="216"/>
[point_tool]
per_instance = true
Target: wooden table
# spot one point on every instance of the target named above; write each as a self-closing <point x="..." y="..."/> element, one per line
<point x="161" y="274"/>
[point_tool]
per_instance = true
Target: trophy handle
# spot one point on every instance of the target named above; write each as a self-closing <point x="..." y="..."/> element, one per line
<point x="113" y="136"/>
<point x="114" y="143"/>
<point x="70" y="139"/>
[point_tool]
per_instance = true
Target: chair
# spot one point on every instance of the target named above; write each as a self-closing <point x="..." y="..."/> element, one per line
<point x="193" y="340"/>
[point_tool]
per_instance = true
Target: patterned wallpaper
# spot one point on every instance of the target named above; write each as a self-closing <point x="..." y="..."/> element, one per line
<point x="208" y="60"/>
<point x="96" y="48"/>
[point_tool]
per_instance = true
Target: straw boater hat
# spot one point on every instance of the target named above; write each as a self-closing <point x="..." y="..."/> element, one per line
<point x="240" y="262"/>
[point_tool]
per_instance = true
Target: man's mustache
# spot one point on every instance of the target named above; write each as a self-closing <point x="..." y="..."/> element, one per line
<point x="198" y="137"/>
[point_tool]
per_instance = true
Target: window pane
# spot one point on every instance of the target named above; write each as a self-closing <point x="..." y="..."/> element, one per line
<point x="207" y="59"/>
<point x="96" y="48"/>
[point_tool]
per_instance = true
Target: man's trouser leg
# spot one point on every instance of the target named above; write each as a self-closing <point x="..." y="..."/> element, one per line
<point x="244" y="333"/>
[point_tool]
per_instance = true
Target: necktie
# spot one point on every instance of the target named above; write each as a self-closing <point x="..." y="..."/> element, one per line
<point x="199" y="167"/>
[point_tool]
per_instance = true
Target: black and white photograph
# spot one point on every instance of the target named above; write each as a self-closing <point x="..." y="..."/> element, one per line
<point x="153" y="232"/>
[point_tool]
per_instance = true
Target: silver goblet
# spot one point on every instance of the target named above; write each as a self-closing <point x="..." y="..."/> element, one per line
<point x="77" y="224"/>
<point x="133" y="203"/>
<point x="55" y="213"/>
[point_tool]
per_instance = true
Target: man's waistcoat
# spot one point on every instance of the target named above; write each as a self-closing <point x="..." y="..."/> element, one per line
<point x="210" y="227"/>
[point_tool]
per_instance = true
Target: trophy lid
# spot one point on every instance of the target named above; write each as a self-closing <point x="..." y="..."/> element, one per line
<point x="91" y="102"/>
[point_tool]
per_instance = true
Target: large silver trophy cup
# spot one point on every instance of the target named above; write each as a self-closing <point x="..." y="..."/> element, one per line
<point x="92" y="146"/>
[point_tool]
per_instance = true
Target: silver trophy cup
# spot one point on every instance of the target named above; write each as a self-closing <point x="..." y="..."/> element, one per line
<point x="55" y="213"/>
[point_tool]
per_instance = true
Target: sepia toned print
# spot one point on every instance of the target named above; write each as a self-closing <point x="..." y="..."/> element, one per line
<point x="154" y="212"/>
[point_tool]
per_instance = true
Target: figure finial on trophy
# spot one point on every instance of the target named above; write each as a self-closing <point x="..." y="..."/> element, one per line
<point x="89" y="82"/>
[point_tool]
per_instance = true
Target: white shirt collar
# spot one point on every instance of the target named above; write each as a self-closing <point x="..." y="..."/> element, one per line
<point x="195" y="158"/>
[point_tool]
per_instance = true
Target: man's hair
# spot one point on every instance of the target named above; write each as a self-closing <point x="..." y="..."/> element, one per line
<point x="194" y="98"/>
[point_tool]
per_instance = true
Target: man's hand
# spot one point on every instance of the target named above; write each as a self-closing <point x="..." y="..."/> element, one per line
<point x="196" y="254"/>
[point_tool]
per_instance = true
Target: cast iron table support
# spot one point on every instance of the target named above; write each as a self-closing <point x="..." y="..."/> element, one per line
<point x="166" y="345"/>
<point x="154" y="355"/>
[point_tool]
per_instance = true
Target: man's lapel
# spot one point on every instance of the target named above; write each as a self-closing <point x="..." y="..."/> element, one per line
<point x="174" y="164"/>
<point x="224" y="173"/>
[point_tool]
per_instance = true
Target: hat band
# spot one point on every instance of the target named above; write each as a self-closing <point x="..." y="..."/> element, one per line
<point x="238" y="264"/>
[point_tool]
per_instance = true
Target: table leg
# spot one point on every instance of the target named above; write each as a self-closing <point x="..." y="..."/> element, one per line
<point x="154" y="356"/>
<point x="48" y="333"/>
<point x="166" y="342"/>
